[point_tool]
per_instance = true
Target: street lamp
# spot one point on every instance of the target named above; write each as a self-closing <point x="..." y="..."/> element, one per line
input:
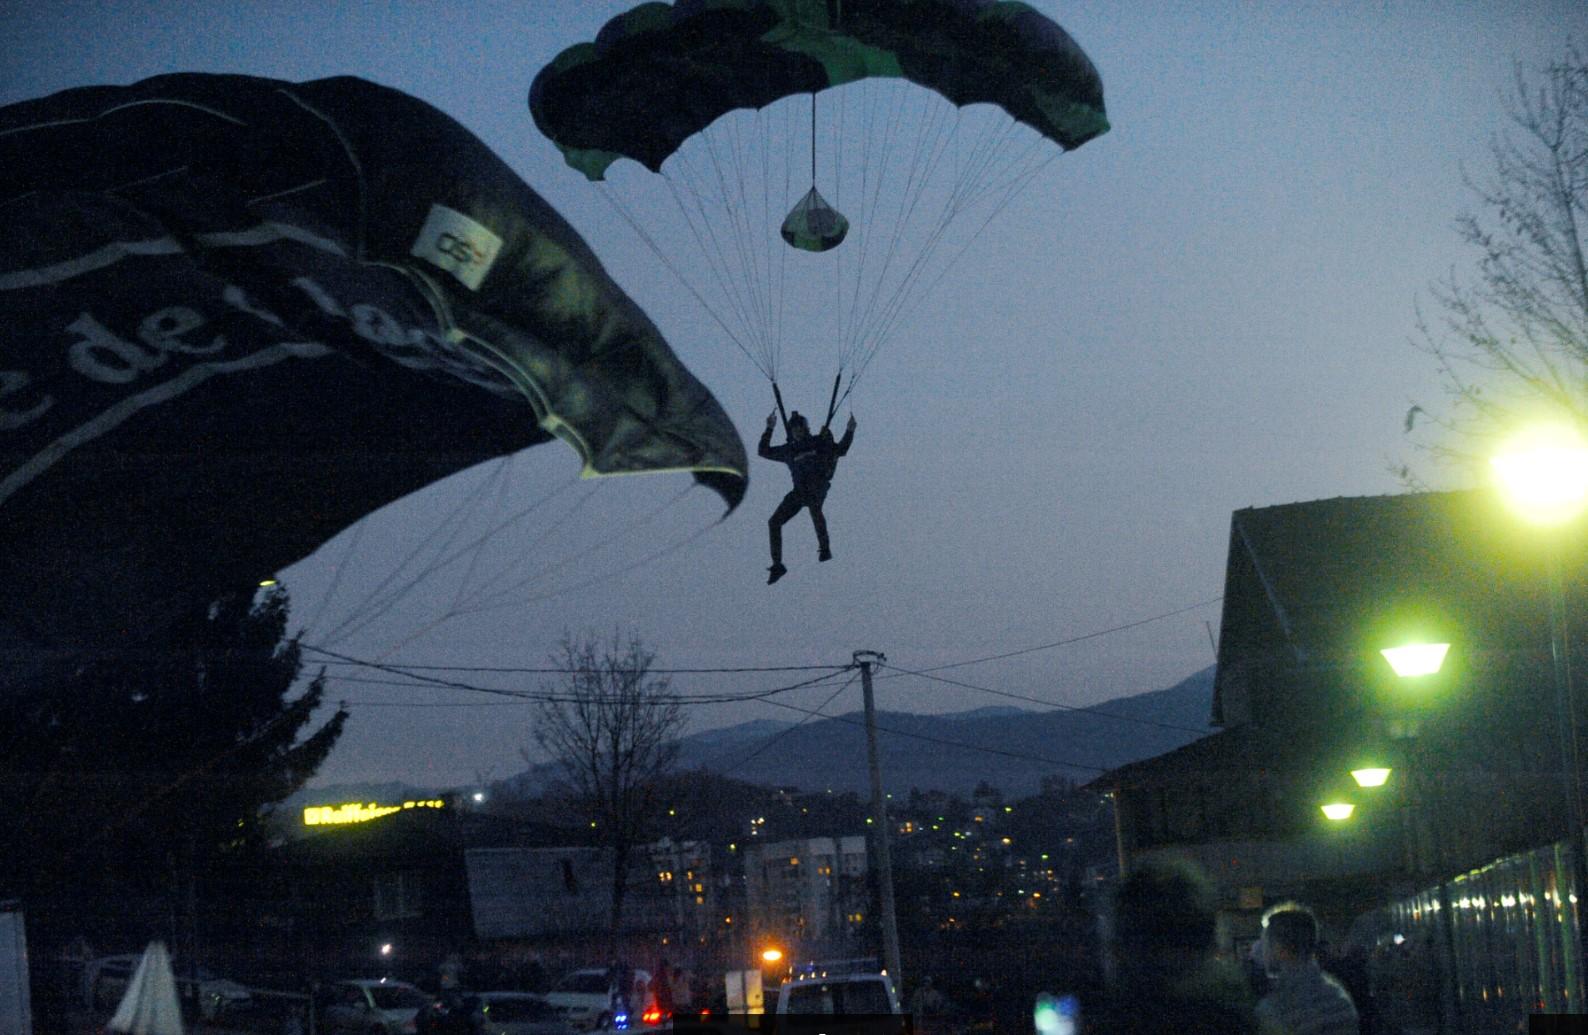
<point x="1543" y="475"/>
<point x="1414" y="665"/>
<point x="1371" y="776"/>
<point x="1416" y="659"/>
<point x="1338" y="811"/>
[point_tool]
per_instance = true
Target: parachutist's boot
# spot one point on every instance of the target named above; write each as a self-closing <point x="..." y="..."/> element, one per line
<point x="825" y="554"/>
<point x="774" y="573"/>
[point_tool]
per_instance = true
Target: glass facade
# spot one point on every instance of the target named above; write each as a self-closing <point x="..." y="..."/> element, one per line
<point x="1514" y="932"/>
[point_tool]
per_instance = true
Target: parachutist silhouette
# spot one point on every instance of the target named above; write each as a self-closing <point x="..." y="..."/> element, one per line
<point x="811" y="460"/>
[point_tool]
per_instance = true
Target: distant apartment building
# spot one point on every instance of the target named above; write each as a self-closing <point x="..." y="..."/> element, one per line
<point x="809" y="893"/>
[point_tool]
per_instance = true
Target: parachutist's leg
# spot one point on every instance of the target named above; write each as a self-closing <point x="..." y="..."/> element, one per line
<point x="824" y="550"/>
<point x="774" y="527"/>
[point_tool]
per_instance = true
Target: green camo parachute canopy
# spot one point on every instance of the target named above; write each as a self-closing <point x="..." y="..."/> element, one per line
<point x="660" y="73"/>
<point x="917" y="121"/>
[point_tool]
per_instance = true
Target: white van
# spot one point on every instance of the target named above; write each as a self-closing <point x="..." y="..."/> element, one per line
<point x="584" y="997"/>
<point x="840" y="993"/>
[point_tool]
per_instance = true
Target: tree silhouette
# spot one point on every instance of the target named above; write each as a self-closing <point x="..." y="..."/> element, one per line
<point x="1512" y="339"/>
<point x="613" y="728"/>
<point x="148" y="768"/>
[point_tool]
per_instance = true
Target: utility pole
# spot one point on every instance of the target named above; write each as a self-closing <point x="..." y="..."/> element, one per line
<point x="879" y="822"/>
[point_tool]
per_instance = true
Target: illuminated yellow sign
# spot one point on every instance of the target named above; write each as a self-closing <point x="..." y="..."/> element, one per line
<point x="358" y="812"/>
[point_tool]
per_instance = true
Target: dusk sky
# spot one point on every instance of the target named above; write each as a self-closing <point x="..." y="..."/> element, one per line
<point x="1210" y="307"/>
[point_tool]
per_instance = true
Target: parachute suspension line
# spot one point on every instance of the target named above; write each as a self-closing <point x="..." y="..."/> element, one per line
<point x="501" y="505"/>
<point x="771" y="243"/>
<point x="605" y="190"/>
<point x="367" y="616"/>
<point x="496" y="602"/>
<point x="381" y="599"/>
<point x="738" y="238"/>
<point x="753" y="238"/>
<point x="1013" y="190"/>
<point x="713" y="251"/>
<point x="499" y="589"/>
<point x="838" y="200"/>
<point x="528" y="548"/>
<point x="813" y="139"/>
<point x="772" y="239"/>
<point x="671" y="548"/>
<point x="919" y="176"/>
<point x="868" y="207"/>
<point x="1019" y="173"/>
<point x="931" y="144"/>
<point x="869" y="340"/>
<point x="336" y="580"/>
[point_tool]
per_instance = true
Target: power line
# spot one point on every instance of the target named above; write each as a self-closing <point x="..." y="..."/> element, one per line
<point x="780" y="734"/>
<point x="523" y="670"/>
<point x="340" y="659"/>
<point x="418" y="680"/>
<point x="1074" y="639"/>
<point x="925" y="674"/>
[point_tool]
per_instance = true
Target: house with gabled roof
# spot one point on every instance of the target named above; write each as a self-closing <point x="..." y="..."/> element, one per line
<point x="1313" y="592"/>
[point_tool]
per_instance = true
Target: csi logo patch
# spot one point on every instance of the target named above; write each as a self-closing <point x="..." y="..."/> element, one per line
<point x="457" y="244"/>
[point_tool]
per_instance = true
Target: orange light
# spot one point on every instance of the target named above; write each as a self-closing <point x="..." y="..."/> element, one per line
<point x="653" y="1015"/>
<point x="771" y="955"/>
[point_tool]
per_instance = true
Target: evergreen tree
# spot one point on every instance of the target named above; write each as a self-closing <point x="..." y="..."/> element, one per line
<point x="149" y="769"/>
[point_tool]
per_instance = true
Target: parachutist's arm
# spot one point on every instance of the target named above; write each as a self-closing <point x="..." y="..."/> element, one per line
<point x="766" y="448"/>
<point x="848" y="439"/>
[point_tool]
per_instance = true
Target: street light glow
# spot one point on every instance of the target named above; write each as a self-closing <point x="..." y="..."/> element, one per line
<point x="771" y="955"/>
<point x="1338" y="810"/>
<point x="1370" y="777"/>
<point x="1543" y="473"/>
<point x="1416" y="659"/>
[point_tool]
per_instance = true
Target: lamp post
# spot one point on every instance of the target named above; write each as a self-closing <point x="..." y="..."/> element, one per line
<point x="1415" y="665"/>
<point x="1543" y="476"/>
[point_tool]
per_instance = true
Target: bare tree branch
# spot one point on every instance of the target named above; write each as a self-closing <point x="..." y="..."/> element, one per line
<point x="1510" y="340"/>
<point x="614" y="732"/>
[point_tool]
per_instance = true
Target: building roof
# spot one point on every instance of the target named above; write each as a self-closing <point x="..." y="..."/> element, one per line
<point x="1334" y="578"/>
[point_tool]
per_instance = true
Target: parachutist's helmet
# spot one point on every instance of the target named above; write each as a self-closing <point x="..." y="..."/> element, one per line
<point x="797" y="420"/>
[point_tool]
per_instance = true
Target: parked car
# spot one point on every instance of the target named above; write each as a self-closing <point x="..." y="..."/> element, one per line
<point x="839" y="993"/>
<point x="372" y="1006"/>
<point x="522" y="1013"/>
<point x="585" y="997"/>
<point x="105" y="981"/>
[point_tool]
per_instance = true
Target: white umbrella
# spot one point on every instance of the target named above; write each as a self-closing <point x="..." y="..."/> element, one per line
<point x="150" y="1005"/>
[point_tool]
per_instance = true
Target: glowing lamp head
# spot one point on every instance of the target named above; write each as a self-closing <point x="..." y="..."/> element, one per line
<point x="1543" y="473"/>
<point x="1416" y="659"/>
<point x="1372" y="776"/>
<point x="771" y="955"/>
<point x="385" y="950"/>
<point x="266" y="583"/>
<point x="1338" y="811"/>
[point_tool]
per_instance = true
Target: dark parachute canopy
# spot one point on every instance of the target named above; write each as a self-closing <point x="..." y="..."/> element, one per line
<point x="715" y="97"/>
<point x="241" y="314"/>
<point x="660" y="73"/>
